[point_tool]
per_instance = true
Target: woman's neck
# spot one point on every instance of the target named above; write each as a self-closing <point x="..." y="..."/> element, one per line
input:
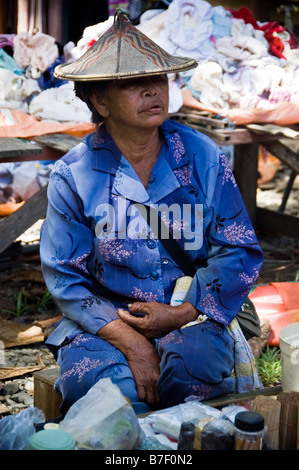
<point x="141" y="149"/>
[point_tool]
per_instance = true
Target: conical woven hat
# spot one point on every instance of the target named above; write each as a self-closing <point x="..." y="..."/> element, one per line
<point x="122" y="52"/>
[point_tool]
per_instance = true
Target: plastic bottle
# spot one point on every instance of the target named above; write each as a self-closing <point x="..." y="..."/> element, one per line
<point x="51" y="438"/>
<point x="187" y="436"/>
<point x="250" y="431"/>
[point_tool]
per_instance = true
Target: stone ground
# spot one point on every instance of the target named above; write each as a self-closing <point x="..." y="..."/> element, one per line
<point x="22" y="273"/>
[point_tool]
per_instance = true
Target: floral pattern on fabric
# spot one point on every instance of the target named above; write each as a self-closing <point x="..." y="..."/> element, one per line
<point x="184" y="175"/>
<point x="228" y="174"/>
<point x="191" y="170"/>
<point x="178" y="147"/>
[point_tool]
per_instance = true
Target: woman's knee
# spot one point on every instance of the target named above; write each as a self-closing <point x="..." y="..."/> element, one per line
<point x="202" y="352"/>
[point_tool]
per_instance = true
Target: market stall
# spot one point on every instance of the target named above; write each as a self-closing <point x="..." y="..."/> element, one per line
<point x="247" y="77"/>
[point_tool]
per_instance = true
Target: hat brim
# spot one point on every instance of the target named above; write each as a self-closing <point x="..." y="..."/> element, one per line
<point x="61" y="72"/>
<point x="123" y="52"/>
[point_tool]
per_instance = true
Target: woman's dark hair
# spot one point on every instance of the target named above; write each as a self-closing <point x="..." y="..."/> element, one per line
<point x="84" y="90"/>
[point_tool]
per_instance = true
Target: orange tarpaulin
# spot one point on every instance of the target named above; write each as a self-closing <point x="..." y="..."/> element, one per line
<point x="284" y="114"/>
<point x="26" y="126"/>
<point x="279" y="303"/>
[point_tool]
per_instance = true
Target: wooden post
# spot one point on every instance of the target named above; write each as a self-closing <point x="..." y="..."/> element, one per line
<point x="18" y="222"/>
<point x="23" y="16"/>
<point x="54" y="20"/>
<point x="245" y="171"/>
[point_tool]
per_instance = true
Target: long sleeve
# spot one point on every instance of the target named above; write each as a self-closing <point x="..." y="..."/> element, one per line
<point x="66" y="244"/>
<point x="234" y="257"/>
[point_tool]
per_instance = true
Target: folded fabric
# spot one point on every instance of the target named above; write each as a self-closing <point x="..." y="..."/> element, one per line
<point x="187" y="29"/>
<point x="16" y="87"/>
<point x="59" y="104"/>
<point x="37" y="51"/>
<point x="47" y="79"/>
<point x="8" y="63"/>
<point x="207" y="83"/>
<point x="245" y="369"/>
<point x="270" y="30"/>
<point x="242" y="44"/>
<point x="221" y="19"/>
<point x="6" y="40"/>
<point x="153" y="27"/>
<point x="284" y="114"/>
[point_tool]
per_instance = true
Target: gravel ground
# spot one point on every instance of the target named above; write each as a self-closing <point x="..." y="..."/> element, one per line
<point x="270" y="194"/>
<point x="17" y="393"/>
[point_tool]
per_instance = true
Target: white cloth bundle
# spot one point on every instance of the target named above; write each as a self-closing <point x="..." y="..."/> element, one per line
<point x="37" y="51"/>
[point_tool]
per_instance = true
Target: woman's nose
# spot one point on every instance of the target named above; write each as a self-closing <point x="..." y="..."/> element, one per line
<point x="150" y="87"/>
<point x="151" y="91"/>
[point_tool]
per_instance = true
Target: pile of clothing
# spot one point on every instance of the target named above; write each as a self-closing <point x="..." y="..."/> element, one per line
<point x="243" y="65"/>
<point x="27" y="82"/>
<point x="34" y="102"/>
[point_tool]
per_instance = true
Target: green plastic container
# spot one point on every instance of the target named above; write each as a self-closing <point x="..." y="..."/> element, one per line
<point x="51" y="439"/>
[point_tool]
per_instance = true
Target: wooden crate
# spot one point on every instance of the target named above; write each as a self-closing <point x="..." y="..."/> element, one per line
<point x="46" y="398"/>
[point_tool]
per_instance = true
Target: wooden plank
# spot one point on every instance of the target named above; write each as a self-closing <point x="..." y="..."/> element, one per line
<point x="242" y="397"/>
<point x="277" y="222"/>
<point x="287" y="150"/>
<point x="48" y="376"/>
<point x="226" y="400"/>
<point x="61" y="142"/>
<point x="194" y="117"/>
<point x="219" y="136"/>
<point x="13" y="149"/>
<point x="17" y="223"/>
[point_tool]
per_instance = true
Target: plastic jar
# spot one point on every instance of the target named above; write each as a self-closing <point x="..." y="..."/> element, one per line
<point x="218" y="434"/>
<point x="250" y="431"/>
<point x="51" y="438"/>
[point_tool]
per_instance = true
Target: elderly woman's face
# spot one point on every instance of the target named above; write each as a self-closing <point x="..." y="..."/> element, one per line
<point x="135" y="103"/>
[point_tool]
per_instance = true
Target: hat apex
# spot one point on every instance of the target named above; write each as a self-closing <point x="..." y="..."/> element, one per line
<point x="122" y="52"/>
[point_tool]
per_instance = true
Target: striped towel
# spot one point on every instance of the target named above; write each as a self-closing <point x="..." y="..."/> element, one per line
<point x="245" y="369"/>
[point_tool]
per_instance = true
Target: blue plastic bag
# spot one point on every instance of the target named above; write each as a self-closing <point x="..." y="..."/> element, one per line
<point x="16" y="430"/>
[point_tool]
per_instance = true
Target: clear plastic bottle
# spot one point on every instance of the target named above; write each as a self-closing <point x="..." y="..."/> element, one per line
<point x="250" y="431"/>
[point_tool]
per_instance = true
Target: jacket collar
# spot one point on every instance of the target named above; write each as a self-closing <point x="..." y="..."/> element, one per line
<point x="107" y="158"/>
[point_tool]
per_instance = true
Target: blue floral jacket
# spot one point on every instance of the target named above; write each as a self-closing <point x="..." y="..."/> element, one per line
<point x="99" y="254"/>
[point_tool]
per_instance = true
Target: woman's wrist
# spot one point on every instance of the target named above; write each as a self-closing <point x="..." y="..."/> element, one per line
<point x="187" y="312"/>
<point x="123" y="337"/>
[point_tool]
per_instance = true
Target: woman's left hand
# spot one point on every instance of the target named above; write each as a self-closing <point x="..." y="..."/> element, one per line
<point x="158" y="319"/>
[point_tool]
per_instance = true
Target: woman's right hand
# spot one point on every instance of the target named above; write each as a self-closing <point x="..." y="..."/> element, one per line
<point x="141" y="355"/>
<point x="144" y="363"/>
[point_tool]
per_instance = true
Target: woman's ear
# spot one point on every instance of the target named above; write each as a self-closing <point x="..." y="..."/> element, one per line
<point x="99" y="102"/>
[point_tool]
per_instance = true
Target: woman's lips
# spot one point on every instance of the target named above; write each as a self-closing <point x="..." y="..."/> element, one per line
<point x="152" y="108"/>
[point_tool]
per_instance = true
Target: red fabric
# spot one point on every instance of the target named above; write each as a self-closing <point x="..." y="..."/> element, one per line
<point x="245" y="14"/>
<point x="91" y="42"/>
<point x="275" y="44"/>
